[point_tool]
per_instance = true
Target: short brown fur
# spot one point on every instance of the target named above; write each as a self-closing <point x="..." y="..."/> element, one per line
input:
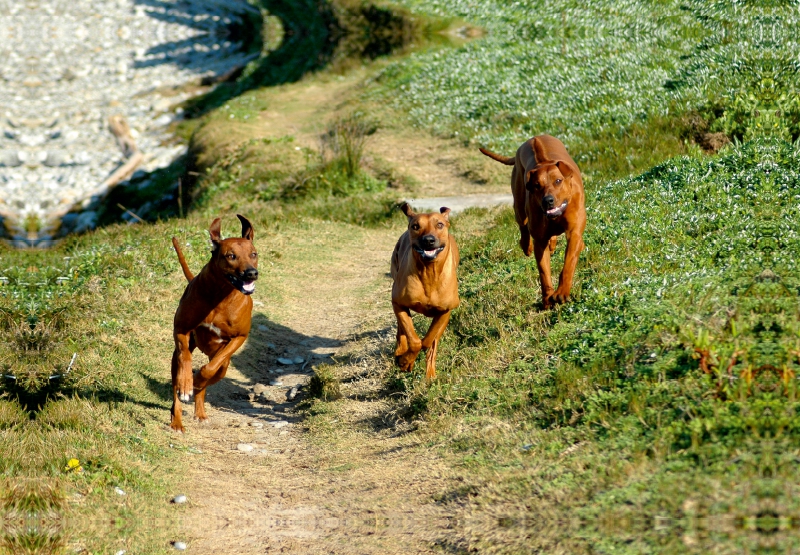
<point x="425" y="285"/>
<point x="213" y="315"/>
<point x="543" y="168"/>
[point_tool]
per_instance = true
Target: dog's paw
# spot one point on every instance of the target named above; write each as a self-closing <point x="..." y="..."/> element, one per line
<point x="177" y="427"/>
<point x="406" y="361"/>
<point x="184" y="396"/>
<point x="558" y="298"/>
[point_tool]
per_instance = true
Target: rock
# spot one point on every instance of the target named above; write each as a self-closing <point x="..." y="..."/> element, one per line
<point x="54" y="159"/>
<point x="286" y="361"/>
<point x="257" y="424"/>
<point x="260" y="388"/>
<point x="119" y="491"/>
<point x="292" y="393"/>
<point x="298" y="360"/>
<point x="86" y="221"/>
<point x="276" y="383"/>
<point x="180" y="546"/>
<point x="280" y="424"/>
<point x="284" y="433"/>
<point x="262" y="327"/>
<point x="179" y="499"/>
<point x="244" y="447"/>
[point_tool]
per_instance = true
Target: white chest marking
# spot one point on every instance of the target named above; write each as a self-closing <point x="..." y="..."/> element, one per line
<point x="213" y="329"/>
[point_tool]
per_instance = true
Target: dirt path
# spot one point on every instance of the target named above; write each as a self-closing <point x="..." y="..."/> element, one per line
<point x="368" y="489"/>
<point x="257" y="481"/>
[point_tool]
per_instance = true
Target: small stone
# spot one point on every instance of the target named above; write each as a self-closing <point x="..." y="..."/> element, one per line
<point x="179" y="499"/>
<point x="284" y="433"/>
<point x="244" y="447"/>
<point x="292" y="393"/>
<point x="257" y="424"/>
<point x="180" y="546"/>
<point x="286" y="361"/>
<point x="119" y="491"/>
<point x="272" y="346"/>
<point x="262" y="327"/>
<point x="120" y="552"/>
<point x="280" y="424"/>
<point x="298" y="360"/>
<point x="276" y="382"/>
<point x="259" y="388"/>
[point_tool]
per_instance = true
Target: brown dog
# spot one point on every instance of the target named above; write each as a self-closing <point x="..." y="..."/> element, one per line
<point x="424" y="264"/>
<point x="214" y="315"/>
<point x="548" y="201"/>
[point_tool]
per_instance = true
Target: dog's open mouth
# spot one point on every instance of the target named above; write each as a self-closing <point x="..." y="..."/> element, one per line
<point x="243" y="286"/>
<point x="557" y="211"/>
<point x="428" y="255"/>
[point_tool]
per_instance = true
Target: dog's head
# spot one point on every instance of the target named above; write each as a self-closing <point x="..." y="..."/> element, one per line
<point x="551" y="186"/>
<point x="236" y="259"/>
<point x="429" y="233"/>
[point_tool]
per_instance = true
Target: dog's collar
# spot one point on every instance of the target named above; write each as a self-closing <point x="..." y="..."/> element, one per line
<point x="424" y="254"/>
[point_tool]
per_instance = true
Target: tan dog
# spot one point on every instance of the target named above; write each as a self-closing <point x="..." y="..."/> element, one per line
<point x="214" y="314"/>
<point x="424" y="264"/>
<point x="548" y="201"/>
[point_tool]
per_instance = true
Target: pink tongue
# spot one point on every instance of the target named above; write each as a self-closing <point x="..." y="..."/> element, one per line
<point x="249" y="286"/>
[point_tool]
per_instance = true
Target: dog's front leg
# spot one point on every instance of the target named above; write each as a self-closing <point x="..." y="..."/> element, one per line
<point x="181" y="378"/>
<point x="430" y="342"/>
<point x="408" y="342"/>
<point x="212" y="372"/>
<point x="574" y="247"/>
<point x="541" y="249"/>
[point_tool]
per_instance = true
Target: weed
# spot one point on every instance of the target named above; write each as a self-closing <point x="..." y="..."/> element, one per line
<point x="324" y="384"/>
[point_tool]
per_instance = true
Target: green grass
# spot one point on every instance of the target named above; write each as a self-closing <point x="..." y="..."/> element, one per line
<point x="599" y="410"/>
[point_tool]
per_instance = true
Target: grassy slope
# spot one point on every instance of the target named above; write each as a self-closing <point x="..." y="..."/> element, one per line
<point x="549" y="411"/>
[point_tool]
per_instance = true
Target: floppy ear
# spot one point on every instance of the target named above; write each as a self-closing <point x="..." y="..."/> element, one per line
<point x="213" y="231"/>
<point x="445" y="211"/>
<point x="564" y="168"/>
<point x="406" y="208"/>
<point x="529" y="181"/>
<point x="247" y="228"/>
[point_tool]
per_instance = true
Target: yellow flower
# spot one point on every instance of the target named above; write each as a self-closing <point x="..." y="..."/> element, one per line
<point x="73" y="464"/>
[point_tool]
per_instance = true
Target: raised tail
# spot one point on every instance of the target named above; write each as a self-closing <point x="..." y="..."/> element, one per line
<point x="186" y="271"/>
<point x="507" y="160"/>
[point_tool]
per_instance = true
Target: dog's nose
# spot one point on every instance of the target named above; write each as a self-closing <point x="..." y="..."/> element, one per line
<point x="251" y="274"/>
<point x="549" y="201"/>
<point x="428" y="241"/>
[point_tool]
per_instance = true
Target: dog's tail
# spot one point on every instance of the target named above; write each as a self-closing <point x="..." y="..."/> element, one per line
<point x="507" y="160"/>
<point x="186" y="271"/>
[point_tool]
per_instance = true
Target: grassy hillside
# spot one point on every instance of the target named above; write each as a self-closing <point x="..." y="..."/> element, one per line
<point x="655" y="413"/>
<point x="665" y="393"/>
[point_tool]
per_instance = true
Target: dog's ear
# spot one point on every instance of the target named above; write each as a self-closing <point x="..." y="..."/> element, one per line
<point x="564" y="168"/>
<point x="214" y="232"/>
<point x="247" y="228"/>
<point x="406" y="208"/>
<point x="529" y="181"/>
<point x="538" y="150"/>
<point x="445" y="211"/>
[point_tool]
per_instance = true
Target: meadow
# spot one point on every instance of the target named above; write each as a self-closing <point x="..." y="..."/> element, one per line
<point x="656" y="412"/>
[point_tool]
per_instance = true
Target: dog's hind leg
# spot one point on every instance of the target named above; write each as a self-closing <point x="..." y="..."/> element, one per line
<point x="430" y="342"/>
<point x="408" y="342"/>
<point x="176" y="422"/>
<point x="200" y="394"/>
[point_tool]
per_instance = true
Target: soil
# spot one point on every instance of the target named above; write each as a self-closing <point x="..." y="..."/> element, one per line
<point x="354" y="480"/>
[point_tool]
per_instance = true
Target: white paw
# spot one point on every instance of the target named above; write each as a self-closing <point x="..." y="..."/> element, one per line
<point x="185" y="397"/>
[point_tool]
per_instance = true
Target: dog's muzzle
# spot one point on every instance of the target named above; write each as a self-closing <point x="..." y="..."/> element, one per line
<point x="428" y="254"/>
<point x="244" y="284"/>
<point x="556" y="211"/>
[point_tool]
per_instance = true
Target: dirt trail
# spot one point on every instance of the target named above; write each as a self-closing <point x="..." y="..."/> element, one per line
<point x="370" y="490"/>
<point x="257" y="480"/>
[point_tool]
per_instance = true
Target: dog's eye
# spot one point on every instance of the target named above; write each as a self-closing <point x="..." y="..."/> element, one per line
<point x="415" y="227"/>
<point x="255" y="254"/>
<point x="558" y="181"/>
<point x="440" y="225"/>
<point x="231" y="256"/>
